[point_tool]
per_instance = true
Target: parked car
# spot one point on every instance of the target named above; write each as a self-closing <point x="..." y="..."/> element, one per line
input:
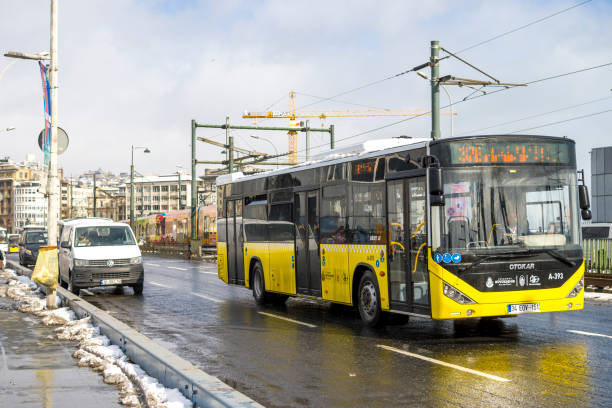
<point x="97" y="252"/>
<point x="30" y="240"/>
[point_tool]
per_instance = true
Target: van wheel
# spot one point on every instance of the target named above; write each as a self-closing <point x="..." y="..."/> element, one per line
<point x="72" y="288"/>
<point x="61" y="281"/>
<point x="369" y="301"/>
<point x="259" y="287"/>
<point x="138" y="288"/>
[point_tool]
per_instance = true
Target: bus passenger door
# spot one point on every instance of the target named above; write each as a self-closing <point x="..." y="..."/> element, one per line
<point x="408" y="273"/>
<point x="231" y="242"/>
<point x="235" y="250"/>
<point x="308" y="261"/>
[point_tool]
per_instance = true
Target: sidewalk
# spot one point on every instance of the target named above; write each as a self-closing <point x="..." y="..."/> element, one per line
<point x="37" y="369"/>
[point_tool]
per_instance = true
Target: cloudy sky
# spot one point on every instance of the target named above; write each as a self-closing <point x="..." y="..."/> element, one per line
<point x="135" y="72"/>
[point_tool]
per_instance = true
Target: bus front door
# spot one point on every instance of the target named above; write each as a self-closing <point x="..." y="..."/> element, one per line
<point x="408" y="273"/>
<point x="307" y="255"/>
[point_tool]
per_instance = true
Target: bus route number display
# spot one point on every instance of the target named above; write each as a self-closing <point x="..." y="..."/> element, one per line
<point x="509" y="153"/>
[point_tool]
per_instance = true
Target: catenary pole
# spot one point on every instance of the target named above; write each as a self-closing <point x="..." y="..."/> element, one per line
<point x="435" y="90"/>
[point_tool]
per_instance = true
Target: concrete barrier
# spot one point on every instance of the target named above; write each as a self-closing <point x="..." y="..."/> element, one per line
<point x="170" y="370"/>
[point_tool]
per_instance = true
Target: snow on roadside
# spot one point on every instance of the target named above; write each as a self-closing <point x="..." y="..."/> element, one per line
<point x="136" y="388"/>
<point x="605" y="297"/>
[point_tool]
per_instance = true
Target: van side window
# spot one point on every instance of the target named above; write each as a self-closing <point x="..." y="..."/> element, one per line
<point x="65" y="234"/>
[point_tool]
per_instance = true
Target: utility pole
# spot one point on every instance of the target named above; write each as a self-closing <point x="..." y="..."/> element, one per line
<point x="94" y="195"/>
<point x="195" y="246"/>
<point x="307" y="140"/>
<point x="71" y="197"/>
<point x="435" y="90"/>
<point x="230" y="143"/>
<point x="180" y="203"/>
<point x="52" y="181"/>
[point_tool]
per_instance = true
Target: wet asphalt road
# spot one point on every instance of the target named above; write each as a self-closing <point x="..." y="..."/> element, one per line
<point x="324" y="357"/>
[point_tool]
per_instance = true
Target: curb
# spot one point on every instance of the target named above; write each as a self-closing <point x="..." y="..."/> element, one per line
<point x="169" y="369"/>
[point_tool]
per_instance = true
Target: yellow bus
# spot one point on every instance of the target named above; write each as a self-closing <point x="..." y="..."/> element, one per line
<point x="455" y="228"/>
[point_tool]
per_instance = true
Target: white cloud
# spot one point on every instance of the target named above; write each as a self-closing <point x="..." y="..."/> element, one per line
<point x="136" y="72"/>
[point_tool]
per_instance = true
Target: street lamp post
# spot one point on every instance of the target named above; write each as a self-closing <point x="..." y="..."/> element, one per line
<point x="267" y="140"/>
<point x="146" y="150"/>
<point x="8" y="129"/>
<point x="450" y="102"/>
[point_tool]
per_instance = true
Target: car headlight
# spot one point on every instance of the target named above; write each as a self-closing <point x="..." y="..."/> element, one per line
<point x="80" y="262"/>
<point x="28" y="252"/>
<point x="136" y="260"/>
<point x="577" y="288"/>
<point x="456" y="295"/>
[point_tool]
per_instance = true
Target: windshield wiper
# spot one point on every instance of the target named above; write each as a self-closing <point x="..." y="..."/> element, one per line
<point x="558" y="256"/>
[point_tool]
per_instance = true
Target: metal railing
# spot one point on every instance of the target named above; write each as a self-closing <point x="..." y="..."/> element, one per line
<point x="598" y="261"/>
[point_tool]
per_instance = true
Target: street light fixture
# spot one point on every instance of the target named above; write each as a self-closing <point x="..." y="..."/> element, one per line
<point x="146" y="150"/>
<point x="425" y="76"/>
<point x="8" y="129"/>
<point x="267" y="140"/>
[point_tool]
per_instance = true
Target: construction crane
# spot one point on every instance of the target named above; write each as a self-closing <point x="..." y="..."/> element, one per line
<point x="292" y="115"/>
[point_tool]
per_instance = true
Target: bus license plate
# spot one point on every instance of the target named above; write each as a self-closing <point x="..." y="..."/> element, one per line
<point x="524" y="308"/>
<point x="110" y="282"/>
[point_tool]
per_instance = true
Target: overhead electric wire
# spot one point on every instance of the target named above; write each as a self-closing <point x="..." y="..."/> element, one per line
<point x="463" y="50"/>
<point x="345" y="102"/>
<point x="459" y="102"/>
<point x="563" y="121"/>
<point x="536" y="116"/>
<point x="523" y="26"/>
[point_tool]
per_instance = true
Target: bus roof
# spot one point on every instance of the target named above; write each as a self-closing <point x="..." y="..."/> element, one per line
<point x="361" y="150"/>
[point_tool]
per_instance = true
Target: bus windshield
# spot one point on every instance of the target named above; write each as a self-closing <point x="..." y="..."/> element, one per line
<point x="498" y="209"/>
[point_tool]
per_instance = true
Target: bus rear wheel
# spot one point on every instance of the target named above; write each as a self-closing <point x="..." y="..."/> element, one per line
<point x="258" y="285"/>
<point x="369" y="300"/>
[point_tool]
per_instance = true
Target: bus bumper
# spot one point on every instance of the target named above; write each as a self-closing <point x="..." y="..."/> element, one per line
<point x="502" y="304"/>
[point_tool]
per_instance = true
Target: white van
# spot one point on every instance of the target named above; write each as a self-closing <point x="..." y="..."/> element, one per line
<point x="98" y="252"/>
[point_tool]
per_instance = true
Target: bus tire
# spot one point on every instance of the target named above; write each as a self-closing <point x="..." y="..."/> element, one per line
<point x="259" y="287"/>
<point x="369" y="300"/>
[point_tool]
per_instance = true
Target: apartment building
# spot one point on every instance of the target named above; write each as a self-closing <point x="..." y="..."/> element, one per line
<point x="154" y="194"/>
<point x="30" y="205"/>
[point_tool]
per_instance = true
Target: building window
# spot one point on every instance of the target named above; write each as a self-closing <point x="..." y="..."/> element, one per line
<point x="164" y="188"/>
<point x="183" y="187"/>
<point x="156" y="189"/>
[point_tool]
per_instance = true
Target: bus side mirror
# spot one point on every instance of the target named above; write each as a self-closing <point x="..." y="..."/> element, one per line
<point x="586" y="215"/>
<point x="65" y="244"/>
<point x="583" y="197"/>
<point x="436" y="188"/>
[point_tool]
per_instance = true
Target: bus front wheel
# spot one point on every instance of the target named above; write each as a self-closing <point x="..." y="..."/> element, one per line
<point x="369" y="300"/>
<point x="259" y="288"/>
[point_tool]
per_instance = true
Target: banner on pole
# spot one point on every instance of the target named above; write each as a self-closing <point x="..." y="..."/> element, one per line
<point x="44" y="74"/>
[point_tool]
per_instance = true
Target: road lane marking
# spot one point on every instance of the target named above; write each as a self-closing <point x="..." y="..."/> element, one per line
<point x="433" y="360"/>
<point x="287" y="319"/>
<point x="159" y="284"/>
<point x="207" y="297"/>
<point x="590" y="334"/>
<point x="209" y="273"/>
<point x="178" y="269"/>
<point x="151" y="264"/>
<point x="87" y="292"/>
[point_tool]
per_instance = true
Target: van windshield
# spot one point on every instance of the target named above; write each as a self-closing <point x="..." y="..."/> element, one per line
<point x="103" y="236"/>
<point x="36" y="237"/>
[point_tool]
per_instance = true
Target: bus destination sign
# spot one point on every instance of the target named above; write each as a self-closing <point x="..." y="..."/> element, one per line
<point x="509" y="152"/>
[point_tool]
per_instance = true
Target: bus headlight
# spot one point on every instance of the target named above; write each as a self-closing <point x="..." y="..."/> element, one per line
<point x="27" y="251"/>
<point x="80" y="262"/>
<point x="577" y="288"/>
<point x="456" y="295"/>
<point x="136" y="260"/>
